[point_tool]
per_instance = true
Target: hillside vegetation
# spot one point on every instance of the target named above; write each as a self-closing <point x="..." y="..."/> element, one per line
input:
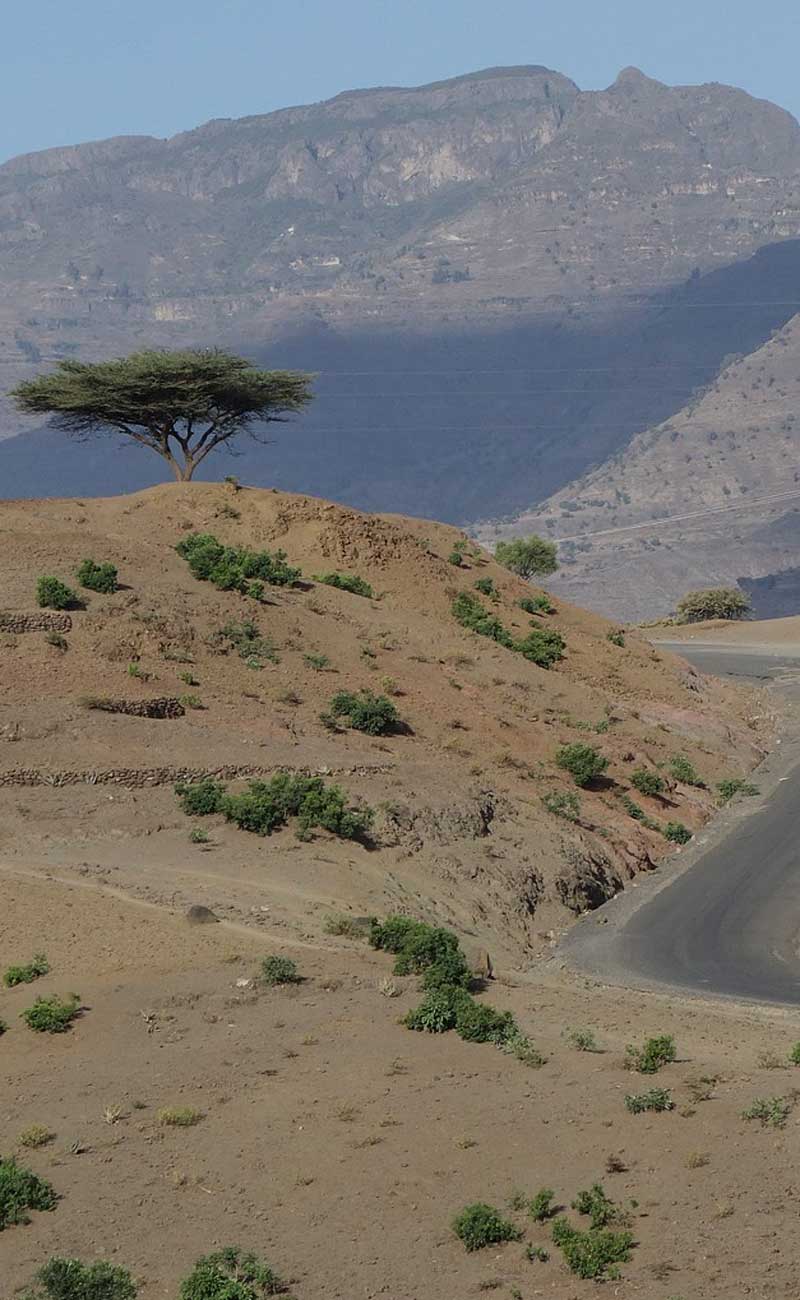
<point x="460" y="758"/>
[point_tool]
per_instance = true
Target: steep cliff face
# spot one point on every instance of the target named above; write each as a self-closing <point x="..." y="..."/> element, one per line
<point x="504" y="224"/>
<point x="709" y="497"/>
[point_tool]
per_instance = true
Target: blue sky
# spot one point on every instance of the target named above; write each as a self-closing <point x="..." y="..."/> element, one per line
<point x="78" y="70"/>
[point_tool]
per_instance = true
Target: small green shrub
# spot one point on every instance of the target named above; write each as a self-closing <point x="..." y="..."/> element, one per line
<point x="245" y="638"/>
<point x="583" y="1040"/>
<point x="53" y="1014"/>
<point x="188" y="679"/>
<point x="727" y="789"/>
<point x="536" y="1254"/>
<point x="449" y="968"/>
<point x="318" y="662"/>
<point x="481" y="1225"/>
<point x="51" y="593"/>
<point x="542" y="646"/>
<point x="373" y="714"/>
<point x="198" y="836"/>
<point x="592" y="1254"/>
<point x="537" y="604"/>
<point x="265" y="806"/>
<point x="616" y="636"/>
<point x="470" y="613"/>
<point x="485" y="586"/>
<point x="70" y="1279"/>
<point x="346" y="582"/>
<point x="540" y="1207"/>
<point x="684" y="771"/>
<point x="28" y="973"/>
<point x="657" y="1099"/>
<point x="415" y="945"/>
<point x="35" y="1135"/>
<point x="3" y="1028"/>
<point x="772" y="1112"/>
<point x="97" y="577"/>
<point x="21" y="1190"/>
<point x="649" y="1058"/>
<point x="190" y="701"/>
<point x="597" y="1205"/>
<point x="438" y="1011"/>
<point x="231" y="1274"/>
<point x="794" y="1055"/>
<point x="523" y="1050"/>
<point x="583" y="762"/>
<point x="456" y="556"/>
<point x="564" y="804"/>
<point x="201" y="798"/>
<point x="56" y="640"/>
<point x="279" y="970"/>
<point x="647" y="782"/>
<point x="478" y="1023"/>
<point x="235" y="568"/>
<point x="179" y="1116"/>
<point x="349" y="927"/>
<point x="677" y="833"/>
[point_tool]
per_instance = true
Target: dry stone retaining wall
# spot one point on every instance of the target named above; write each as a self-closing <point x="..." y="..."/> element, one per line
<point x="16" y="623"/>
<point x="135" y="778"/>
<point x="160" y="708"/>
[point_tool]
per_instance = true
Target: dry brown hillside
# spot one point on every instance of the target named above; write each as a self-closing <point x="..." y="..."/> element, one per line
<point x="461" y="833"/>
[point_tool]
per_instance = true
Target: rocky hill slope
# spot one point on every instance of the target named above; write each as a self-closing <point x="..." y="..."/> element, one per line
<point x="461" y="832"/>
<point x="730" y="458"/>
<point x="505" y="224"/>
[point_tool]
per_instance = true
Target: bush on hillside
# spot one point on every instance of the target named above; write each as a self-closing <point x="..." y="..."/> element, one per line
<point x="647" y="782"/>
<point x="71" y="1279"/>
<point x="592" y="1254"/>
<point x="542" y="646"/>
<point x="235" y="568"/>
<point x="246" y="639"/>
<point x="266" y="806"/>
<point x="684" y="771"/>
<point x="734" y="786"/>
<point x="364" y="711"/>
<point x="52" y="593"/>
<point x="201" y="798"/>
<point x="485" y="586"/>
<point x="21" y="1190"/>
<point x="527" y="556"/>
<point x="53" y="1014"/>
<point x="537" y="604"/>
<point x="279" y="970"/>
<point x="583" y="762"/>
<point x="231" y="1274"/>
<point x="649" y="1058"/>
<point x="346" y="582"/>
<point x="97" y="577"/>
<point x="676" y="833"/>
<point x="481" y="1225"/>
<point x="26" y="974"/>
<point x="714" y="602"/>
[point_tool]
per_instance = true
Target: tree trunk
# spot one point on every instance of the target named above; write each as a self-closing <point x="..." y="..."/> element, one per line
<point x="183" y="473"/>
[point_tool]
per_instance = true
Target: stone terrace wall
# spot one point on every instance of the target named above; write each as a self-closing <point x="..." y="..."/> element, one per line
<point x="135" y="778"/>
<point x="17" y="623"/>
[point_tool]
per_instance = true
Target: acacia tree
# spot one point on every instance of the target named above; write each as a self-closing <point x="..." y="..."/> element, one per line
<point x="181" y="405"/>
<point x="527" y="556"/>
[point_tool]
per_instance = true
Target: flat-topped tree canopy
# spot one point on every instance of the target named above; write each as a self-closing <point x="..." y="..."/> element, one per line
<point x="179" y="404"/>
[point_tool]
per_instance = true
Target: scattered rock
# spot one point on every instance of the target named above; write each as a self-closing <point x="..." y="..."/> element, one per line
<point x="199" y="915"/>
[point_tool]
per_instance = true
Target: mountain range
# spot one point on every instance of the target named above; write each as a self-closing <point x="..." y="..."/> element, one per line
<point x="503" y="283"/>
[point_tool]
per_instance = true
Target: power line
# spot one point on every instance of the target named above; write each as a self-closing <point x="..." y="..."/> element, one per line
<point x="774" y="499"/>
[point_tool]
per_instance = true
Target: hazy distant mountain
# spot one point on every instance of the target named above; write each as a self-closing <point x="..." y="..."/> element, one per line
<point x="519" y="265"/>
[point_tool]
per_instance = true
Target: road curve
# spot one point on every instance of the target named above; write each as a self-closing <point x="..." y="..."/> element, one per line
<point x="729" y="925"/>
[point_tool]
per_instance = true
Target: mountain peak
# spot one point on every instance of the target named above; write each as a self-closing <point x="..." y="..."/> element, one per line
<point x="632" y="79"/>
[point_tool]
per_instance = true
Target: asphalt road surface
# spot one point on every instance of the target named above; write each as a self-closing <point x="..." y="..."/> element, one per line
<point x="730" y="924"/>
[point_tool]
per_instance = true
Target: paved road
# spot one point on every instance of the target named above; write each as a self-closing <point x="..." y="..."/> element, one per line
<point x="730" y="924"/>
